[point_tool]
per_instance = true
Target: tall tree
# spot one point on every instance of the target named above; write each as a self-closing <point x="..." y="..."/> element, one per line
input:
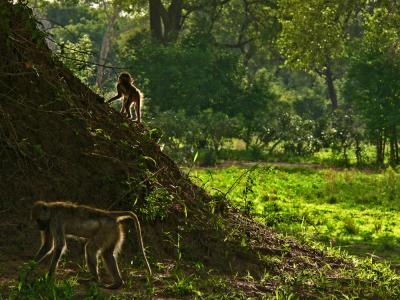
<point x="372" y="84"/>
<point x="246" y="25"/>
<point x="165" y="23"/>
<point x="107" y="37"/>
<point x="313" y="36"/>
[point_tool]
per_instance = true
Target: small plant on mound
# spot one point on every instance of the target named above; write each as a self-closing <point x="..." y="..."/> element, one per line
<point x="32" y="285"/>
<point x="183" y="285"/>
<point x="157" y="203"/>
<point x="94" y="293"/>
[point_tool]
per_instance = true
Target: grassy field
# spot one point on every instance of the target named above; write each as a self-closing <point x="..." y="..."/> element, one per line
<point x="235" y="150"/>
<point x="356" y="211"/>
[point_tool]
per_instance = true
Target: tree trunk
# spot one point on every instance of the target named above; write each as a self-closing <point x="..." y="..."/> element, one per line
<point x="380" y="155"/>
<point x="155" y="7"/>
<point x="358" y="151"/>
<point x="271" y="150"/>
<point x="396" y="145"/>
<point x="173" y="24"/>
<point x="247" y="138"/>
<point x="392" y="156"/>
<point x="331" y="87"/>
<point x="105" y="45"/>
<point x="393" y="147"/>
<point x="165" y="24"/>
<point x="384" y="139"/>
<point x="247" y="56"/>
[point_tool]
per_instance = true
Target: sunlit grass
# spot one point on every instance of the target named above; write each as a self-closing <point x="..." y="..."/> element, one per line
<point x="355" y="210"/>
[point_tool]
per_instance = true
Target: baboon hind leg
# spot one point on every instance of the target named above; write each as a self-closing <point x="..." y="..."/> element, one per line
<point x="137" y="109"/>
<point x="123" y="102"/>
<point x="128" y="105"/>
<point x="112" y="267"/>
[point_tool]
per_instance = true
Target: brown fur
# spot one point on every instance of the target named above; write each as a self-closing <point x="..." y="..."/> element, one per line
<point x="131" y="95"/>
<point x="101" y="229"/>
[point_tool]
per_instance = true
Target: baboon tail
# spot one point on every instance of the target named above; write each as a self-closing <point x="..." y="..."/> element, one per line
<point x="123" y="215"/>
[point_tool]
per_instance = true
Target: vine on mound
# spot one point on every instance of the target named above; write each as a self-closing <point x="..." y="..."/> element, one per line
<point x="58" y="140"/>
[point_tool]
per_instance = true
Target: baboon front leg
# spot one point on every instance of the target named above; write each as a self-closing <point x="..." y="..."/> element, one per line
<point x="91" y="261"/>
<point x="112" y="267"/>
<point x="59" y="247"/>
<point x="46" y="247"/>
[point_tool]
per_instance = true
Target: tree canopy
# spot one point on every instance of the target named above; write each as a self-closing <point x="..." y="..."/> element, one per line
<point x="252" y="61"/>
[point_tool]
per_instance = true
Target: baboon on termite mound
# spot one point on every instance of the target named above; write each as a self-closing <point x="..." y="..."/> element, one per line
<point x="131" y="95"/>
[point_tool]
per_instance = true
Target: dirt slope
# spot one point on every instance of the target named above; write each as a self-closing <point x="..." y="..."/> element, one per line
<point x="58" y="140"/>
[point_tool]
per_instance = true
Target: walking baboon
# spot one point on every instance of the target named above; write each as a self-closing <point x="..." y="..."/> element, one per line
<point x="131" y="94"/>
<point x="101" y="229"/>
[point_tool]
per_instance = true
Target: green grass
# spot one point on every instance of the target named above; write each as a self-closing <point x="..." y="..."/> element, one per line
<point x="357" y="211"/>
<point x="32" y="286"/>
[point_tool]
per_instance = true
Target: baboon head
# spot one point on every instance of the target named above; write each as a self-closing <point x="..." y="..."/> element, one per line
<point x="125" y="78"/>
<point x="41" y="214"/>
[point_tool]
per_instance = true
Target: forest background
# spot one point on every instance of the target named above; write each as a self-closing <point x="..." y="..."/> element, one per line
<point x="286" y="80"/>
